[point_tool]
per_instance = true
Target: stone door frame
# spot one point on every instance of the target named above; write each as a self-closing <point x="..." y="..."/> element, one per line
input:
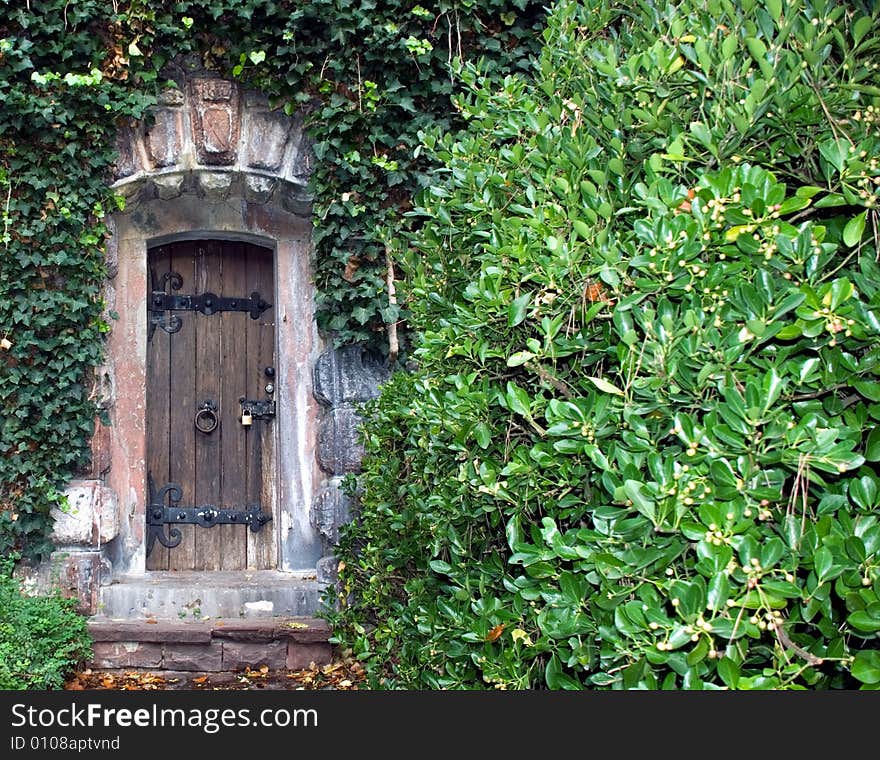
<point x="190" y="218"/>
<point x="213" y="162"/>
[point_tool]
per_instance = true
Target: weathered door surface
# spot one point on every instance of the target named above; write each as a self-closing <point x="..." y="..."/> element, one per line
<point x="210" y="406"/>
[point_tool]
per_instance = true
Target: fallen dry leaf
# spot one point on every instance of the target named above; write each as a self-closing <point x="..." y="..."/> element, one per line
<point x="495" y="632"/>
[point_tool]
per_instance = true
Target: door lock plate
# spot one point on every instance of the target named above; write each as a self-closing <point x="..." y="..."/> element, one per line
<point x="257" y="409"/>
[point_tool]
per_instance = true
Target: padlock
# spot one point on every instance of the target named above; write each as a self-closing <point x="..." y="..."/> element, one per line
<point x="246" y="418"/>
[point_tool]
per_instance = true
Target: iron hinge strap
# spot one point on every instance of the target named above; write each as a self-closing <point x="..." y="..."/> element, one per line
<point x="162" y="302"/>
<point x="160" y="514"/>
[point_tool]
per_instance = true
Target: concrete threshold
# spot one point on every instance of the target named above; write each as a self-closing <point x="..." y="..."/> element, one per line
<point x="205" y="595"/>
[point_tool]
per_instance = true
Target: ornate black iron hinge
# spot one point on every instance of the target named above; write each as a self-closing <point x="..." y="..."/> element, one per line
<point x="162" y="302"/>
<point x="160" y="514"/>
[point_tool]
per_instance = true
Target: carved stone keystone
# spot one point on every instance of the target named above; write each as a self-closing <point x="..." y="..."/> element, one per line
<point x="215" y="120"/>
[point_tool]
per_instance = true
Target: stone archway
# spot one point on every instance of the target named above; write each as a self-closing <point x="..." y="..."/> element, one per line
<point x="216" y="162"/>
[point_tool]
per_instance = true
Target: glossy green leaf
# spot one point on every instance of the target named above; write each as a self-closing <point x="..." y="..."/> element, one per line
<point x="517" y="399"/>
<point x="729" y="672"/>
<point x="872" y="446"/>
<point x="864" y="621"/>
<point x="518" y="309"/>
<point x="823" y="561"/>
<point x="519" y="358"/>
<point x="605" y="386"/>
<point x="718" y="592"/>
<point x="852" y="233"/>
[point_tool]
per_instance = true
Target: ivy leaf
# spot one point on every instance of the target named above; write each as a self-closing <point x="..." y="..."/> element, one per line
<point x="361" y="314"/>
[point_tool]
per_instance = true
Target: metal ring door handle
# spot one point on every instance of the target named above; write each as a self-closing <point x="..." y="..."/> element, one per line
<point x="206" y="419"/>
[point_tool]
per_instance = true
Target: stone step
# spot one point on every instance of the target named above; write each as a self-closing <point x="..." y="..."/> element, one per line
<point x="209" y="645"/>
<point x="211" y="594"/>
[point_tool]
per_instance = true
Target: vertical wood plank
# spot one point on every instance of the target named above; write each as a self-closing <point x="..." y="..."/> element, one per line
<point x="262" y="553"/>
<point x="233" y="385"/>
<point x="157" y="414"/>
<point x="182" y="404"/>
<point x="209" y="270"/>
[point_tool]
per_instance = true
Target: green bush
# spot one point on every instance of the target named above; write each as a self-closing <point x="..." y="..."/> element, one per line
<point x="42" y="638"/>
<point x="640" y="447"/>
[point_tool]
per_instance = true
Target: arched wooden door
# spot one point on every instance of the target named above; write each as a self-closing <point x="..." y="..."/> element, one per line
<point x="210" y="406"/>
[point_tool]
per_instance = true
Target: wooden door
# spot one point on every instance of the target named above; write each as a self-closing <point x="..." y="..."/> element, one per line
<point x="210" y="356"/>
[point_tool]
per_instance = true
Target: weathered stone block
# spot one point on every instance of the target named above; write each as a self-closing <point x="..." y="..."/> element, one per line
<point x="134" y="190"/>
<point x="305" y="631"/>
<point x="100" y="461"/>
<point x="92" y="518"/>
<point x="304" y="161"/>
<point x="164" y="137"/>
<point x="79" y="575"/>
<point x="265" y="139"/>
<point x="346" y="375"/>
<point x="126" y="654"/>
<point x="168" y="186"/>
<point x="161" y="631"/>
<point x="331" y="509"/>
<point x="171" y="97"/>
<point x="111" y="249"/>
<point x="340" y="449"/>
<point x="251" y="631"/>
<point x="215" y="185"/>
<point x="258" y="189"/>
<point x="296" y="200"/>
<point x="302" y="656"/>
<point x="126" y="153"/>
<point x="193" y="656"/>
<point x="326" y="570"/>
<point x="240" y="654"/>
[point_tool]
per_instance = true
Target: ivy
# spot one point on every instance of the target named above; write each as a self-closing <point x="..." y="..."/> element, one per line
<point x="370" y="76"/>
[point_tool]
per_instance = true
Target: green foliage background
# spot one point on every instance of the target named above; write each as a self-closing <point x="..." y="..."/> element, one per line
<point x="42" y="638"/>
<point x="640" y="450"/>
<point x="370" y="74"/>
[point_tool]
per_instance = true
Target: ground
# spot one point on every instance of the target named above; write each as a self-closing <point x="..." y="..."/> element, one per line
<point x="342" y="673"/>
